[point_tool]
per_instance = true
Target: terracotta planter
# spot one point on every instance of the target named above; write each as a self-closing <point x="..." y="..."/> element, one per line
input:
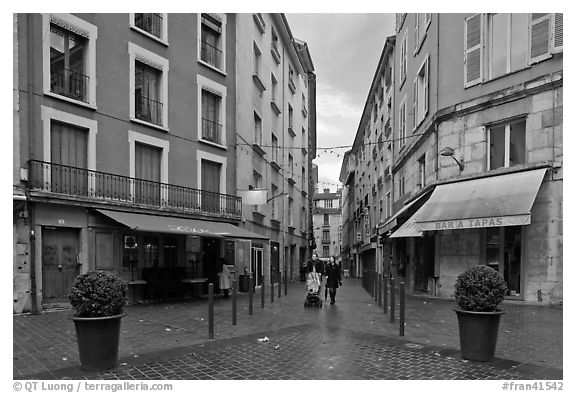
<point x="478" y="334"/>
<point x="98" y="342"/>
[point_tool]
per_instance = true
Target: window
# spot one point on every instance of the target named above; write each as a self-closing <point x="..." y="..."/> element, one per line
<point x="508" y="43"/>
<point x="274" y="148"/>
<point x="402" y="123"/>
<point x="256" y="183"/>
<point x="212" y="109"/>
<point x="290" y="210"/>
<point x="403" y="58"/>
<point x="149" y="163"/>
<point x="473" y="58"/>
<point x="257" y="68"/>
<point x="421" y="23"/>
<point x="504" y="254"/>
<point x="422" y="171"/>
<point x="149" y="87"/>
<point x="257" y="129"/>
<point x="303" y="179"/>
<point x="388" y="204"/>
<point x="290" y="166"/>
<point x="326" y="235"/>
<point x="211" y="174"/>
<point x="211" y="127"/>
<point x="291" y="84"/>
<point x="148" y="106"/>
<point x="420" y="105"/>
<point x="546" y="36"/>
<point x="69" y="58"/>
<point x="401" y="182"/>
<point x="274" y="46"/>
<point x="326" y="219"/>
<point x="153" y="25"/>
<point x="304" y="142"/>
<point x="274" y="212"/>
<point x="325" y="251"/>
<point x="290" y="119"/>
<point x="328" y="203"/>
<point x="212" y="40"/>
<point x="507" y="144"/>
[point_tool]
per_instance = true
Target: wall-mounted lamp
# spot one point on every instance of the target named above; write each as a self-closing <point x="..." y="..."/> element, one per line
<point x="449" y="152"/>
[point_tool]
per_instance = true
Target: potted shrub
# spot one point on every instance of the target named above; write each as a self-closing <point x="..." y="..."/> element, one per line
<point x="99" y="298"/>
<point x="478" y="293"/>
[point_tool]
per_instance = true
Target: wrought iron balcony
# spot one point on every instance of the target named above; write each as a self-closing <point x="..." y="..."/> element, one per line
<point x="210" y="54"/>
<point x="148" y="110"/>
<point x="211" y="131"/>
<point x="69" y="83"/>
<point x="100" y="187"/>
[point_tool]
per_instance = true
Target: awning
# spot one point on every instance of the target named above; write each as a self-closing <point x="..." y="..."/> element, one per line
<point x="184" y="226"/>
<point x="392" y="222"/>
<point x="496" y="201"/>
<point x="408" y="229"/>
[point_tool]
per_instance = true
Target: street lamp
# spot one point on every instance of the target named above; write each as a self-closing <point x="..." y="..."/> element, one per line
<point x="449" y="152"/>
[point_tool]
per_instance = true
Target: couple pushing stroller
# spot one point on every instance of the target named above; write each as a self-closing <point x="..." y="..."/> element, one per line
<point x="315" y="270"/>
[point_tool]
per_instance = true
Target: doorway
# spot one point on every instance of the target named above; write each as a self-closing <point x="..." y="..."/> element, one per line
<point x="504" y="254"/>
<point x="424" y="251"/>
<point x="60" y="262"/>
<point x="257" y="265"/>
<point x="275" y="261"/>
<point x="210" y="263"/>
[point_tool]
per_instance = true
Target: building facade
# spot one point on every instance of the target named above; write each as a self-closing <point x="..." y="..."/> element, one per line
<point x="477" y="152"/>
<point x="327" y="219"/>
<point x="126" y="152"/>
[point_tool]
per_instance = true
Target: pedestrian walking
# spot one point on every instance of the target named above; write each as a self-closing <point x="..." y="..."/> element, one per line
<point x="333" y="279"/>
<point x="224" y="276"/>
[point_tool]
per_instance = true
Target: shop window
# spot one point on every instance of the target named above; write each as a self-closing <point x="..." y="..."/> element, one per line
<point x="503" y="254"/>
<point x="150" y="252"/>
<point x="170" y="253"/>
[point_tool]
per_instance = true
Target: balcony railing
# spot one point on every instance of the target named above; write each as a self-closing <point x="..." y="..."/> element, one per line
<point x="104" y="187"/>
<point x="69" y="83"/>
<point x="148" y="110"/>
<point x="210" y="54"/>
<point x="152" y="23"/>
<point x="211" y="131"/>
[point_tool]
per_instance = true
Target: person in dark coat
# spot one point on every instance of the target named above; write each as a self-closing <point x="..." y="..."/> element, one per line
<point x="333" y="279"/>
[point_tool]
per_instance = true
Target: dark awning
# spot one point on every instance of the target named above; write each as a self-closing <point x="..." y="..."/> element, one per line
<point x="392" y="222"/>
<point x="496" y="201"/>
<point x="183" y="226"/>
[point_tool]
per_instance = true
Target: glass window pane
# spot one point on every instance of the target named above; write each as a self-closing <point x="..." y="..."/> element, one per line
<point x="498" y="52"/>
<point x="518" y="48"/>
<point x="512" y="259"/>
<point x="493" y="247"/>
<point x="518" y="143"/>
<point x="497" y="147"/>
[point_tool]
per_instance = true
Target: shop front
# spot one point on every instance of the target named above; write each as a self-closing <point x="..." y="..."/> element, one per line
<point x="508" y="221"/>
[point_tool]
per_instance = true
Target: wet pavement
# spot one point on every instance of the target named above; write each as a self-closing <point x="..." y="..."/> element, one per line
<point x="353" y="339"/>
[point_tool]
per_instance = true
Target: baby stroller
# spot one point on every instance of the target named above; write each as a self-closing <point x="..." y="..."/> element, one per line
<point x="313" y="298"/>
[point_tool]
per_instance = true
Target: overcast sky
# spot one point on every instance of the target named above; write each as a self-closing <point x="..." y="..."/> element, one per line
<point x="345" y="49"/>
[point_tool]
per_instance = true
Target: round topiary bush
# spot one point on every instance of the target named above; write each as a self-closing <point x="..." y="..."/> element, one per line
<point x="480" y="289"/>
<point x="98" y="294"/>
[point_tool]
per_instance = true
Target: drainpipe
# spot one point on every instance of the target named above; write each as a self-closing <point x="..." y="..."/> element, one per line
<point x="31" y="128"/>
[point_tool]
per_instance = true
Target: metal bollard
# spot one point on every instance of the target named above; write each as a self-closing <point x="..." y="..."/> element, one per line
<point x="402" y="306"/>
<point x="233" y="302"/>
<point x="211" y="311"/>
<point x="262" y="290"/>
<point x="279" y="284"/>
<point x="271" y="290"/>
<point x="250" y="294"/>
<point x="379" y="290"/>
<point x="392" y="300"/>
<point x="385" y="295"/>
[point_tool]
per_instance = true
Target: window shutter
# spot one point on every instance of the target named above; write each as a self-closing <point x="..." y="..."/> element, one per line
<point x="539" y="37"/>
<point x="425" y="93"/>
<point x="416" y="32"/>
<point x="558" y="32"/>
<point x="473" y="58"/>
<point x="415" y="104"/>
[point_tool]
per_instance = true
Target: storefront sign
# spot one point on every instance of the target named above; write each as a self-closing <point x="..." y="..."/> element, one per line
<point x="471" y="223"/>
<point x="184" y="228"/>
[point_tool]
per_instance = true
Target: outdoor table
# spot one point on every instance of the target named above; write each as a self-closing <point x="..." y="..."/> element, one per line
<point x="133" y="284"/>
<point x="194" y="282"/>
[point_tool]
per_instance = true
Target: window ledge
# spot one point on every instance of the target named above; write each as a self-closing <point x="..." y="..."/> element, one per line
<point x="258" y="149"/>
<point x="158" y="127"/>
<point x="71" y="100"/>
<point x="275" y="165"/>
<point x="258" y="81"/>
<point x="275" y="107"/>
<point x="291" y="131"/>
<point x="149" y="35"/>
<point x="291" y="181"/>
<point x="218" y="70"/>
<point x="258" y="215"/>
<point x="218" y="145"/>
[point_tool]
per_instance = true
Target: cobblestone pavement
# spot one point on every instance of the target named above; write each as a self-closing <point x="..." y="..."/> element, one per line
<point x="353" y="339"/>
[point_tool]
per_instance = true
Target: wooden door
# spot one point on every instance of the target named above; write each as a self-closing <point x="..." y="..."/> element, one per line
<point x="60" y="253"/>
<point x="147" y="173"/>
<point x="210" y="182"/>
